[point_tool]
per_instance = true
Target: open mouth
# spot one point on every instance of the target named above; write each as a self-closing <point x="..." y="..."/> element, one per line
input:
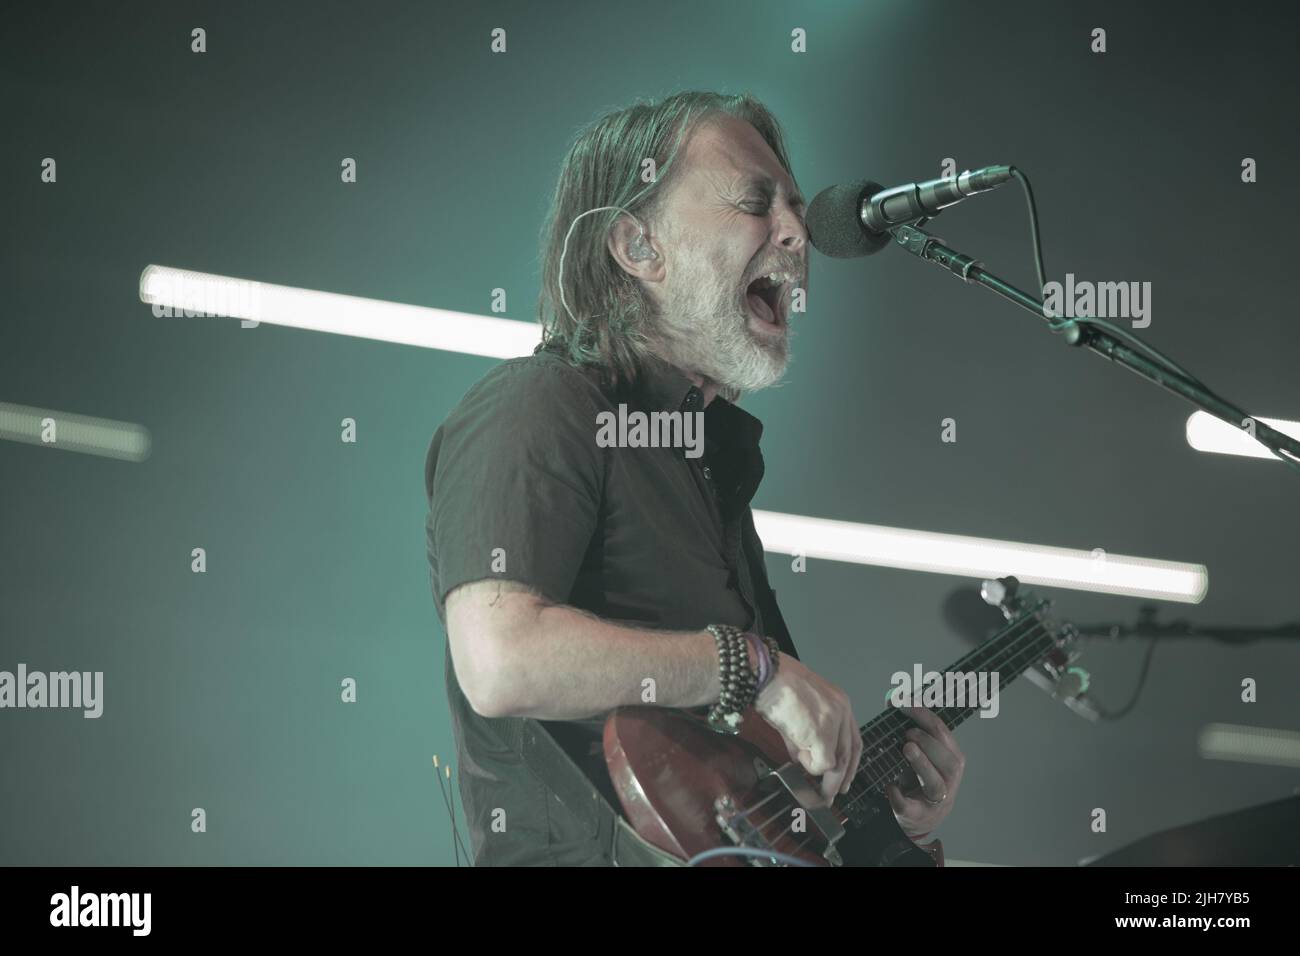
<point x="767" y="296"/>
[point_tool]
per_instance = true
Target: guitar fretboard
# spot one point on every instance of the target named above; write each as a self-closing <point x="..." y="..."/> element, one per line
<point x="1009" y="653"/>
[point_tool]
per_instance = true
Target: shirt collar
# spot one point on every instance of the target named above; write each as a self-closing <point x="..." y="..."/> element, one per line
<point x="662" y="387"/>
<point x="731" y="434"/>
<point x="665" y="388"/>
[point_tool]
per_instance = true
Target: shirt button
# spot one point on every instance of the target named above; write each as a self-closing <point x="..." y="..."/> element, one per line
<point x="691" y="398"/>
<point x="707" y="473"/>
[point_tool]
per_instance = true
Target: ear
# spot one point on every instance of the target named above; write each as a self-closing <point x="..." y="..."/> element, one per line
<point x="622" y="244"/>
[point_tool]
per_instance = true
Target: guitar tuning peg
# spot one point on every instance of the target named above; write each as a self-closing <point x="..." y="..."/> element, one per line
<point x="1000" y="592"/>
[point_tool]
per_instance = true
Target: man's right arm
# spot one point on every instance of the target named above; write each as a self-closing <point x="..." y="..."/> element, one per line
<point x="516" y="654"/>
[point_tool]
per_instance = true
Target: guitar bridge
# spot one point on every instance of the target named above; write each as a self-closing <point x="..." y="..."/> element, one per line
<point x="742" y="831"/>
<point x="819" y="812"/>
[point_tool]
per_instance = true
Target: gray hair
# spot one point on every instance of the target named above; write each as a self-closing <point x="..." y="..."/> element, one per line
<point x="611" y="322"/>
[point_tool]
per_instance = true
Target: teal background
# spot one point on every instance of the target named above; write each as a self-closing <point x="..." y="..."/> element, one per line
<point x="222" y="689"/>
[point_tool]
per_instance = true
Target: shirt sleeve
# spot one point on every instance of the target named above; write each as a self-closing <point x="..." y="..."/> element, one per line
<point x="515" y="481"/>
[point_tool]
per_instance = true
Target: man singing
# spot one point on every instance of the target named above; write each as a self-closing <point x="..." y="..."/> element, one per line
<point x="569" y="573"/>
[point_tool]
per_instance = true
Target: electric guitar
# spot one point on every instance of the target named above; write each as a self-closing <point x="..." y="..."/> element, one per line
<point x="687" y="789"/>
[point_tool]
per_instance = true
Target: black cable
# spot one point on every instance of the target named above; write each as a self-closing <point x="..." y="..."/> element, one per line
<point x="451" y="790"/>
<point x="457" y="844"/>
<point x="1137" y="691"/>
<point x="1124" y="335"/>
<point x="1151" y="352"/>
<point x="1033" y="227"/>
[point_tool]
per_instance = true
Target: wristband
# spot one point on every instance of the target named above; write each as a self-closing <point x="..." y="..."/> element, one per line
<point x="773" y="657"/>
<point x="764" y="659"/>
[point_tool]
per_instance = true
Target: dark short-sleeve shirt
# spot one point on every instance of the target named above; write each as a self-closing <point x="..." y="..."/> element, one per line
<point x="523" y="486"/>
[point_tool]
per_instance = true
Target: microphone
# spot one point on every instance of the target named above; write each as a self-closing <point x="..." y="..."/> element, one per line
<point x="853" y="219"/>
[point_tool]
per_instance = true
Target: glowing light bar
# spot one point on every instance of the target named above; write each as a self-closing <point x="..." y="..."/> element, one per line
<point x="207" y="294"/>
<point x="66" y="431"/>
<point x="981" y="557"/>
<point x="1243" y="744"/>
<point x="1207" y="433"/>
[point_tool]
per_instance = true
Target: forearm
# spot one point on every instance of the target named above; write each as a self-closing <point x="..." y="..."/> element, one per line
<point x="570" y="665"/>
<point x="517" y="654"/>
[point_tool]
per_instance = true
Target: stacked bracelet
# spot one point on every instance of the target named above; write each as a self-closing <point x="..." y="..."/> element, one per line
<point x="768" y="654"/>
<point x="737" y="680"/>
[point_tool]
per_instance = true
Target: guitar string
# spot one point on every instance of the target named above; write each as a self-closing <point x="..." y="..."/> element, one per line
<point x="1033" y="654"/>
<point x="1010" y="651"/>
<point x="877" y="734"/>
<point x="869" y="728"/>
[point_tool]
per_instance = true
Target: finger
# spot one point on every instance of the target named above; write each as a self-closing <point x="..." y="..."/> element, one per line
<point x="818" y="759"/>
<point x="830" y="788"/>
<point x="932" y="723"/>
<point x="907" y="809"/>
<point x="945" y="761"/>
<point x="855" y="742"/>
<point x="896" y="798"/>
<point x="844" y="758"/>
<point x="932" y="782"/>
<point x="833" y="779"/>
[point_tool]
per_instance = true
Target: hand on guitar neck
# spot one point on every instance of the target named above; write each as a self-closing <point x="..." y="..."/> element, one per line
<point x="815" y="720"/>
<point x="938" y="762"/>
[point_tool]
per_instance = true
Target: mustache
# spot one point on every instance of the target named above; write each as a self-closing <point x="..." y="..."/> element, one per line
<point x="794" y="267"/>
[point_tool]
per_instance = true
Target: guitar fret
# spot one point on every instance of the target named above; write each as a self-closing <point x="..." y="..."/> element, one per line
<point x="1012" y="651"/>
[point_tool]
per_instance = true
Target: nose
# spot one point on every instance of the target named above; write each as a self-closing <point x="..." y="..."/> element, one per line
<point x="792" y="234"/>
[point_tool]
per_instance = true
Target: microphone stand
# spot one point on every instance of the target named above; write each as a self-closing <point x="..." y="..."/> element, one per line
<point x="920" y="243"/>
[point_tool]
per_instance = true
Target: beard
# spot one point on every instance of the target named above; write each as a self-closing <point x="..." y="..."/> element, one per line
<point x="703" y="327"/>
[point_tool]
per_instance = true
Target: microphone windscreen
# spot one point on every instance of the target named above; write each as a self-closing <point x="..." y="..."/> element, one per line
<point x="834" y="221"/>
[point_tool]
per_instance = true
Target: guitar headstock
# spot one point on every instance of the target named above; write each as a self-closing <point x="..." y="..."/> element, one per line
<point x="1056" y="673"/>
<point x="1015" y="602"/>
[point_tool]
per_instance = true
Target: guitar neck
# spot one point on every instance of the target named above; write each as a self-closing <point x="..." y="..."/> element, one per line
<point x="1008" y="654"/>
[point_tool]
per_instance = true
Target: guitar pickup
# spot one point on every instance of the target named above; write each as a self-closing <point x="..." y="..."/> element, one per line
<point x="823" y="817"/>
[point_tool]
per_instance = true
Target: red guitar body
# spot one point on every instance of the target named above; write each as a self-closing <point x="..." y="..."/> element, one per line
<point x="688" y="789"/>
<point x="676" y="777"/>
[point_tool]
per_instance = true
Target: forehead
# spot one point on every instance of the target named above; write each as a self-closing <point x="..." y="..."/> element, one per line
<point x="727" y="153"/>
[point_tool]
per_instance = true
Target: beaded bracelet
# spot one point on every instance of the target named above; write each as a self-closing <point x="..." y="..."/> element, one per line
<point x="735" y="678"/>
